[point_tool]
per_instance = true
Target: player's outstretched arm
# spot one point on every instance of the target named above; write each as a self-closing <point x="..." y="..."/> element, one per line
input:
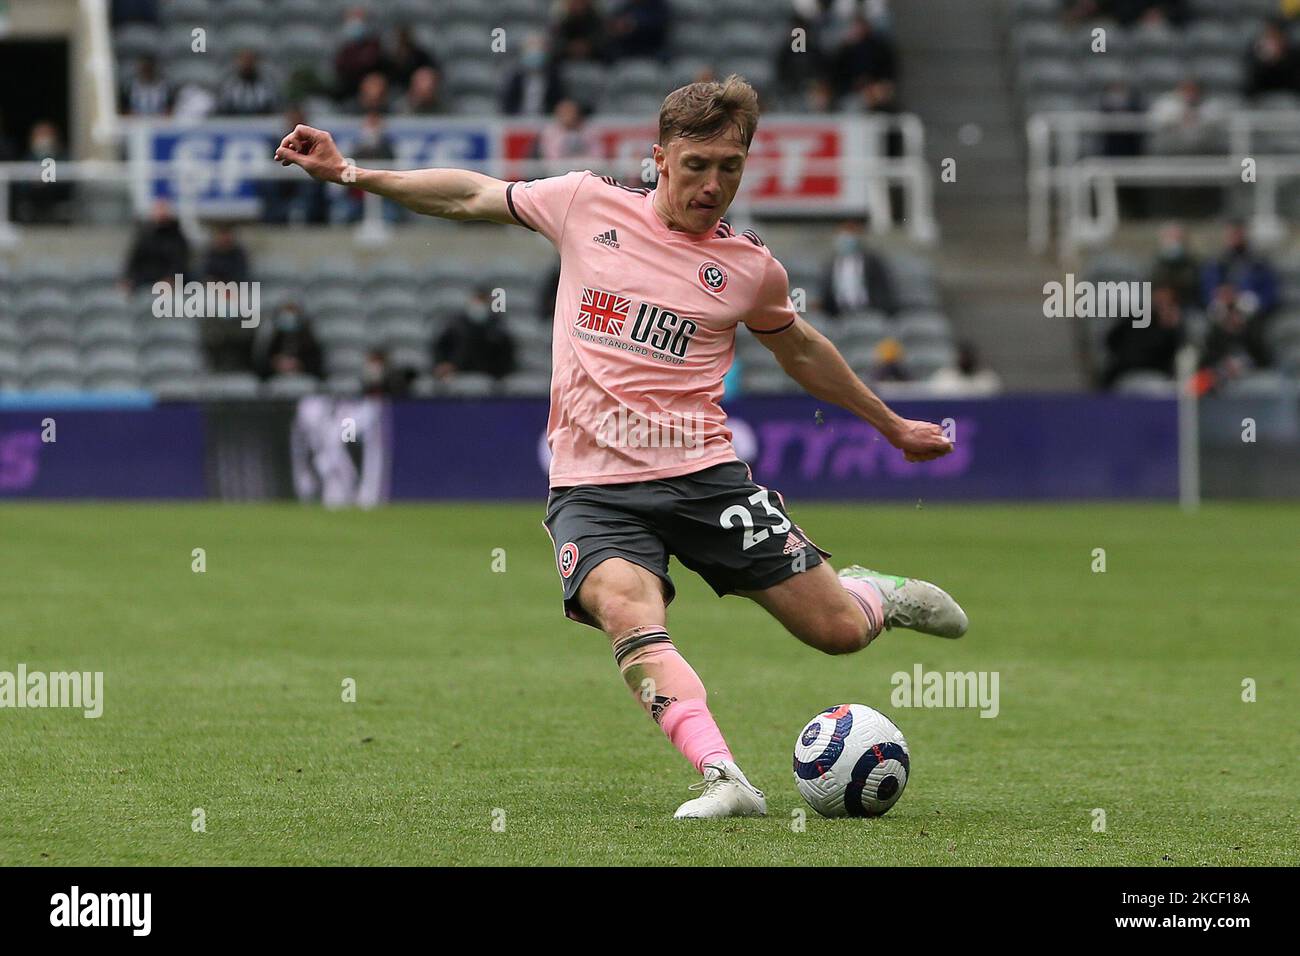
<point x="814" y="362"/>
<point x="446" y="193"/>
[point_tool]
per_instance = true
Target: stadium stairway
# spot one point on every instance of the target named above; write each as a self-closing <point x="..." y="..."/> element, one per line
<point x="958" y="80"/>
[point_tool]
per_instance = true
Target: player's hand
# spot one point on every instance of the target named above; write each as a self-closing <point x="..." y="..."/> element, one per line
<point x="314" y="150"/>
<point x="920" y="441"/>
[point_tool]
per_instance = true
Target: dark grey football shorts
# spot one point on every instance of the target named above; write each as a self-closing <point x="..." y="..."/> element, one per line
<point x="733" y="533"/>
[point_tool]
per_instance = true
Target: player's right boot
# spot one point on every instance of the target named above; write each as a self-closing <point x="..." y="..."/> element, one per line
<point x="913" y="603"/>
<point x="726" y="794"/>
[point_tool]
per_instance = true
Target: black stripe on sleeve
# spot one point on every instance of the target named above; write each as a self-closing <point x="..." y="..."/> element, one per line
<point x="510" y="201"/>
<point x="773" y="331"/>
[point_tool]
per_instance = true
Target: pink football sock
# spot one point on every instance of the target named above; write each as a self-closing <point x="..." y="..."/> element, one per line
<point x="867" y="596"/>
<point x="671" y="693"/>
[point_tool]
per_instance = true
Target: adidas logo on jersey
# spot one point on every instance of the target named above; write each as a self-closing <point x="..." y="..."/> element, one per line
<point x="609" y="238"/>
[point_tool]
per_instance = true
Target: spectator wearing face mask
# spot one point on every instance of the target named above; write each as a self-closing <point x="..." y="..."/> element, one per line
<point x="475" y="341"/>
<point x="1240" y="272"/>
<point x="360" y="54"/>
<point x="856" y="278"/>
<point x="159" y="251"/>
<point x="292" y="348"/>
<point x="373" y="143"/>
<point x="534" y="87"/>
<point x="43" y="201"/>
<point x="1176" y="267"/>
<point x="1272" y="65"/>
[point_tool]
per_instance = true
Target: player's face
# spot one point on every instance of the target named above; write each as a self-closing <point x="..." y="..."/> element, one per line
<point x="698" y="179"/>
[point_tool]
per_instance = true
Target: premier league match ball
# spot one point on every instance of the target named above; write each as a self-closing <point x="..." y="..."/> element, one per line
<point x="851" y="761"/>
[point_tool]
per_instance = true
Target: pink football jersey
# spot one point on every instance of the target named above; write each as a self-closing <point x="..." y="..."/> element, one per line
<point x="644" y="329"/>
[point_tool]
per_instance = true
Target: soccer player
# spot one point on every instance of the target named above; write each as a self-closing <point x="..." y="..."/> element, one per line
<point x="653" y="285"/>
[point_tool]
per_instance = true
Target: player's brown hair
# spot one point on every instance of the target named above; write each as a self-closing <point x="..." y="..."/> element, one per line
<point x="701" y="111"/>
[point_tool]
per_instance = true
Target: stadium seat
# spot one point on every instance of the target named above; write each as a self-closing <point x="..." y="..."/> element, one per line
<point x="232" y="385"/>
<point x="521" y="384"/>
<point x="291" y="386"/>
<point x="470" y="385"/>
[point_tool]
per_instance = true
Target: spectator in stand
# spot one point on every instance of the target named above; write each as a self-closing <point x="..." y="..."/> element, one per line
<point x="372" y="95"/>
<point x="818" y="96"/>
<point x="1130" y="12"/>
<point x="423" y="96"/>
<point x="966" y="377"/>
<point x="1120" y="97"/>
<point x="889" y="364"/>
<point x="292" y="348"/>
<point x="1176" y="267"/>
<point x="856" y="279"/>
<point x="1152" y="348"/>
<point x="159" y="252"/>
<point x="828" y="22"/>
<point x="799" y="60"/>
<point x="247" y="92"/>
<point x="361" y="54"/>
<point x="475" y="341"/>
<point x="373" y="143"/>
<point x="147" y="93"/>
<point x="534" y="87"/>
<point x="579" y="32"/>
<point x="1240" y="278"/>
<point x="226" y="259"/>
<point x="1273" y="65"/>
<point x="864" y="57"/>
<point x="639" y="28"/>
<point x="408" y="57"/>
<point x="566" y="137"/>
<point x="1185" y="124"/>
<point x="42" y="201"/>
<point x="1234" y="345"/>
<point x="380" y="379"/>
<point x="297" y="199"/>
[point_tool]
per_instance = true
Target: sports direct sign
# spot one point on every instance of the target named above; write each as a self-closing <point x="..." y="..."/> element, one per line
<point x="796" y="165"/>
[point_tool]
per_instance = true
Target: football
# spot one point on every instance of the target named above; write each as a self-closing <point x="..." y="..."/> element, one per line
<point x="851" y="761"/>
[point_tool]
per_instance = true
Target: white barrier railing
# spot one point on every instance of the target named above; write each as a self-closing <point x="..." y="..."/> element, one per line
<point x="1066" y="176"/>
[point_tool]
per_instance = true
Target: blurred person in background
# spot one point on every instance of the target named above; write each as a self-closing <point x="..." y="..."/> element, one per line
<point x="360" y="54"/>
<point x="39" y="201"/>
<point x="408" y="57"/>
<point x="293" y="200"/>
<point x="347" y="203"/>
<point x="423" y="96"/>
<point x="159" y="251"/>
<point x="146" y="93"/>
<point x="534" y="87"/>
<point x="372" y="95"/>
<point x="247" y="92"/>
<point x="1239" y="272"/>
<point x="579" y="32"/>
<point x="1185" y="122"/>
<point x="795" y="68"/>
<point x="966" y="377"/>
<point x="864" y="56"/>
<point x="1175" y="266"/>
<point x="638" y="28"/>
<point x="476" y="340"/>
<point x="226" y="260"/>
<point x="889" y="364"/>
<point x="291" y="347"/>
<point x="1153" y="348"/>
<point x="1272" y="65"/>
<point x="566" y="137"/>
<point x="1234" y="345"/>
<point x="856" y="279"/>
<point x="818" y="96"/>
<point x="380" y="379"/>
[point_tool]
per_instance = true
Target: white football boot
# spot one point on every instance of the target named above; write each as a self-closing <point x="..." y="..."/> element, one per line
<point x="913" y="603"/>
<point x="726" y="794"/>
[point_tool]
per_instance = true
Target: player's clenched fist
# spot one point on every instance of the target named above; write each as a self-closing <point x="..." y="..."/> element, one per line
<point x="314" y="150"/>
<point x="921" y="441"/>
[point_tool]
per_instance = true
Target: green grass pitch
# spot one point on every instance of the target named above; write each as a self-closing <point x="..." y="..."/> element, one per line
<point x="1120" y="691"/>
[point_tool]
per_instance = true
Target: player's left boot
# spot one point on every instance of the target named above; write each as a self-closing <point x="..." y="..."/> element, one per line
<point x="913" y="603"/>
<point x="726" y="794"/>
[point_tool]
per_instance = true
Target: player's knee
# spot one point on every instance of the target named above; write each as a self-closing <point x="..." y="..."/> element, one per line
<point x="842" y="632"/>
<point x="623" y="603"/>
